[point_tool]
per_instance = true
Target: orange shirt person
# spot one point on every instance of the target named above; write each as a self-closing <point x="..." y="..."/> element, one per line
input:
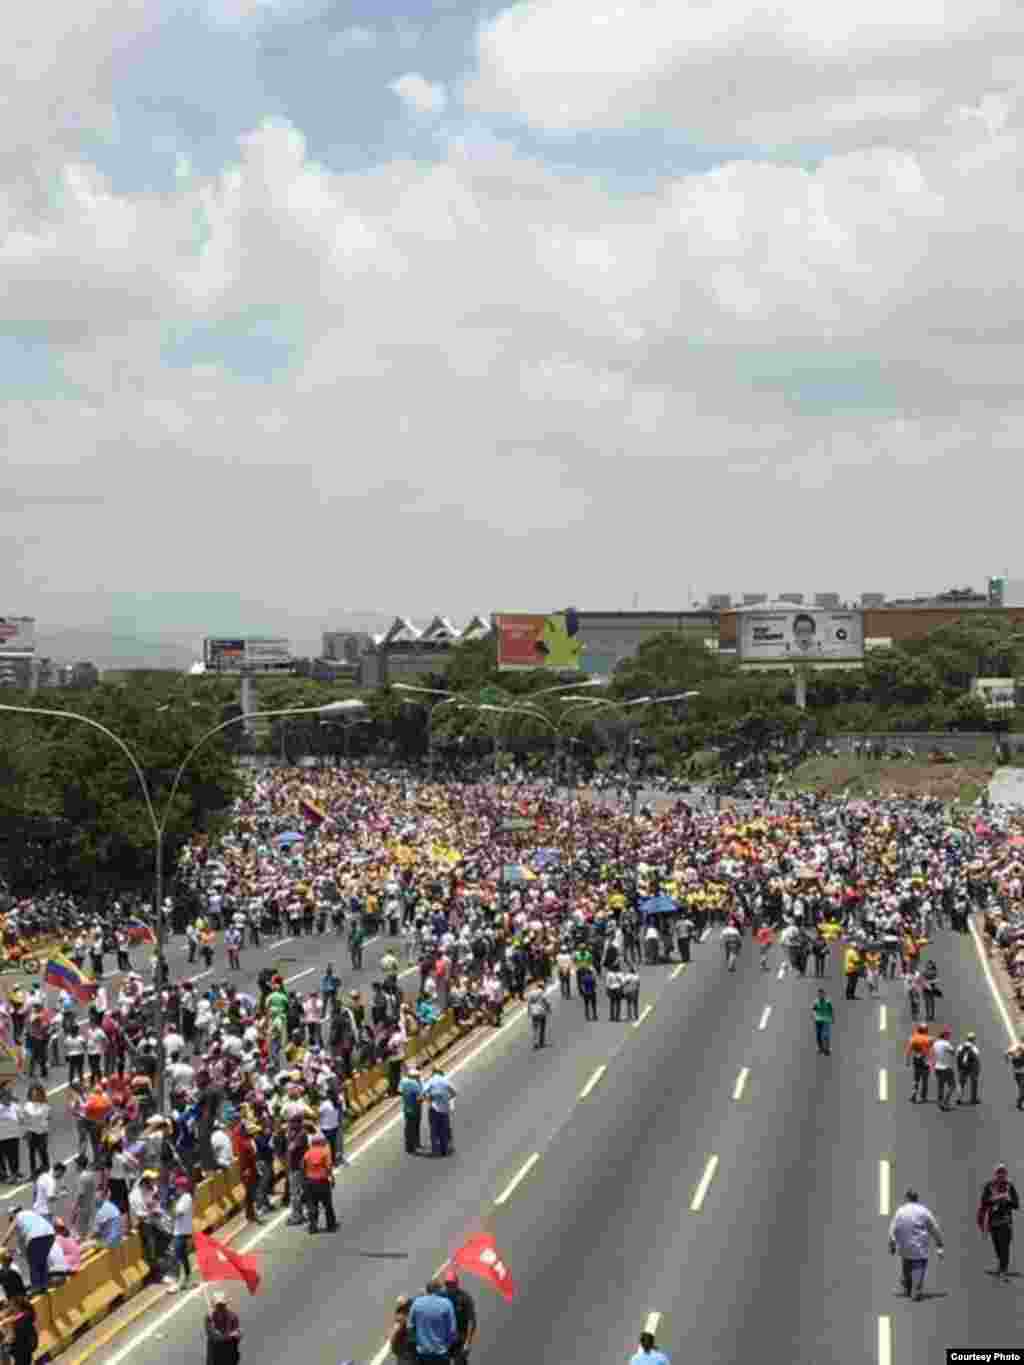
<point x="917" y="1053"/>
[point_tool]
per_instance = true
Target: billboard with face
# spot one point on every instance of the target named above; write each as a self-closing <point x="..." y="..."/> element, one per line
<point x="796" y="633"/>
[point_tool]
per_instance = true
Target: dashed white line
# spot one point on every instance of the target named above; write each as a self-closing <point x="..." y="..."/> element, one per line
<point x="884" y="1341"/>
<point x="282" y="943"/>
<point x="518" y="1179"/>
<point x="298" y="976"/>
<point x="884" y="1188"/>
<point x="883" y="1085"/>
<point x="653" y="1323"/>
<point x="593" y="1081"/>
<point x="676" y="970"/>
<point x="741" y="1081"/>
<point x="883" y="1018"/>
<point x="705" y="1184"/>
<point x="781" y="972"/>
<point x="643" y="1015"/>
<point x="765" y="1017"/>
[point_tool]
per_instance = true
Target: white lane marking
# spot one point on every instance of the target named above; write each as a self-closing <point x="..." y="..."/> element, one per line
<point x="1011" y="1032"/>
<point x="298" y="976"/>
<point x="518" y="1178"/>
<point x="593" y="1081"/>
<point x="765" y="1017"/>
<point x="653" y="1323"/>
<point x="883" y="1018"/>
<point x="705" y="1184"/>
<point x="885" y="1341"/>
<point x="157" y="1325"/>
<point x="704" y="936"/>
<point x="741" y="1081"/>
<point x="884" y="1188"/>
<point x="272" y="946"/>
<point x="58" y="1088"/>
<point x="9" y="1194"/>
<point x="676" y="970"/>
<point x="208" y="972"/>
<point x="883" y="1085"/>
<point x="781" y="972"/>
<point x="643" y="1015"/>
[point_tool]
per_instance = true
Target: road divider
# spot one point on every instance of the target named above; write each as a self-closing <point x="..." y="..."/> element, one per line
<point x="517" y="1179"/>
<point x="700" y="1194"/>
<point x="741" y="1081"/>
<point x="643" y="1015"/>
<point x="593" y="1081"/>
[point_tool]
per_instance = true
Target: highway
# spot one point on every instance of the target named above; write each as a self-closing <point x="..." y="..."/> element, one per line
<point x="708" y="1167"/>
<point x="301" y="962"/>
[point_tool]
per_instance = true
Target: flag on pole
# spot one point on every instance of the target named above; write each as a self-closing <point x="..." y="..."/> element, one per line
<point x="480" y="1257"/>
<point x="62" y="973"/>
<point x="138" y="932"/>
<point x="217" y="1261"/>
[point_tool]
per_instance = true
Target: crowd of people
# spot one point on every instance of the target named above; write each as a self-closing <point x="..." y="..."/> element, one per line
<point x="478" y="891"/>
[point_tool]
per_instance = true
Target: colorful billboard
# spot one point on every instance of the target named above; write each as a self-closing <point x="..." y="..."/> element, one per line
<point x="17" y="634"/>
<point x="795" y="633"/>
<point x="528" y="640"/>
<point x="259" y="654"/>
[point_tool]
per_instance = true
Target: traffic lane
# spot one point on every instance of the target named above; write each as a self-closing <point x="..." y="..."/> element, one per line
<point x="301" y="961"/>
<point x="947" y="1158"/>
<point x="775" y="1263"/>
<point x="402" y="1216"/>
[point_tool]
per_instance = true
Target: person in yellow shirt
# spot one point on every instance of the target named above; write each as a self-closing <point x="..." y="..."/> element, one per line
<point x="852" y="966"/>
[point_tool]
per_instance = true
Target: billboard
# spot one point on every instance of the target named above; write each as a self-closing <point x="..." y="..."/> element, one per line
<point x="529" y="640"/>
<point x="232" y="655"/>
<point x="791" y="634"/>
<point x="17" y="634"/>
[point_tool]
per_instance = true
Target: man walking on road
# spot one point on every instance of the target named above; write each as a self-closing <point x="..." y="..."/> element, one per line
<point x="911" y="1232"/>
<point x="465" y="1317"/>
<point x="968" y="1068"/>
<point x="411" y="1092"/>
<point x="916" y="1053"/>
<point x="823" y="1015"/>
<point x="1015" y="1057"/>
<point x="999" y="1202"/>
<point x="439" y="1093"/>
<point x="943" y="1059"/>
<point x="539" y="1007"/>
<point x="433" y="1326"/>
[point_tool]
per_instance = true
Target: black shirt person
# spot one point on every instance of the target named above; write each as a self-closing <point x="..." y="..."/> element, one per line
<point x="999" y="1202"/>
<point x="465" y="1317"/>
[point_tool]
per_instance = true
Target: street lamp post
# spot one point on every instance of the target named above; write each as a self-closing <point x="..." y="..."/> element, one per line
<point x="159" y="827"/>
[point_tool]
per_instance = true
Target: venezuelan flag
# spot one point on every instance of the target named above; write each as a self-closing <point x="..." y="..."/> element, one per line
<point x="312" y="811"/>
<point x="138" y="932"/>
<point x="62" y="973"/>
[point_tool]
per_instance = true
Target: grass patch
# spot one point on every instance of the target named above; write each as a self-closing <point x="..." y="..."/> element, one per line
<point x="962" y="781"/>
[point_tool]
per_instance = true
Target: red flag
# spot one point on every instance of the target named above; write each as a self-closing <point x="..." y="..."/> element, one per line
<point x="480" y="1257"/>
<point x="218" y="1262"/>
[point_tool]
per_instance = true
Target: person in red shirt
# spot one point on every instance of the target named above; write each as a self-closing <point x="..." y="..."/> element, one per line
<point x="765" y="939"/>
<point x="318" y="1169"/>
<point x="248" y="1169"/>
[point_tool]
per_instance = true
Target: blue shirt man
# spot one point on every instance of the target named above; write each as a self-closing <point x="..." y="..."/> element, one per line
<point x="108" y="1224"/>
<point x="440" y="1092"/>
<point x="648" y="1353"/>
<point x="432" y="1323"/>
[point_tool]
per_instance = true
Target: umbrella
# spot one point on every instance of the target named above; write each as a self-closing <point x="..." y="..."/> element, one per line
<point x="290" y="838"/>
<point x="658" y="905"/>
<point x="544" y="857"/>
<point x="515" y="872"/>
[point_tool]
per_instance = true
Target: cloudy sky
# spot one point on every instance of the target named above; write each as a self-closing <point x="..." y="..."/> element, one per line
<point x="413" y="305"/>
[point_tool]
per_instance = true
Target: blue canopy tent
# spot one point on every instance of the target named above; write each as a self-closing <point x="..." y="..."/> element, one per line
<point x="290" y="838"/>
<point x="546" y="857"/>
<point x="658" y="905"/>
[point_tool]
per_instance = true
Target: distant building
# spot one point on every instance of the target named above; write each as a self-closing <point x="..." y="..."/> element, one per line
<point x="720" y="601"/>
<point x="754" y="599"/>
<point x="17" y="670"/>
<point x="404" y="650"/>
<point x="83" y="675"/>
<point x="345" y="646"/>
<point x="829" y="601"/>
<point x="872" y="599"/>
<point x="795" y="599"/>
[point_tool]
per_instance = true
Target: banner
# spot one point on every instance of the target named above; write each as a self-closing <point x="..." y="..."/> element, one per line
<point x="217" y="1261"/>
<point x="536" y="641"/>
<point x="480" y="1257"/>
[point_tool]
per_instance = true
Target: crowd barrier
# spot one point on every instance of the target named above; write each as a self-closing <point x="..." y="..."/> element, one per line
<point x="108" y="1277"/>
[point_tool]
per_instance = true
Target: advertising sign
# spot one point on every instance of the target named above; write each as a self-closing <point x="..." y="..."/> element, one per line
<point x="527" y="640"/>
<point x="224" y="654"/>
<point x="261" y="651"/>
<point x="17" y="634"/>
<point x="797" y="633"/>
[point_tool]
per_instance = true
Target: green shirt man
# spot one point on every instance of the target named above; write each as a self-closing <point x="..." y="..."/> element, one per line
<point x="822" y="1009"/>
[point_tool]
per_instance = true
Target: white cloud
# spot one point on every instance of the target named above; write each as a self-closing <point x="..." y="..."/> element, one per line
<point x="735" y="71"/>
<point x="424" y="96"/>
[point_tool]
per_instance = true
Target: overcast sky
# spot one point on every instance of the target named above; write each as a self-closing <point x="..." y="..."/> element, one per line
<point x="422" y="306"/>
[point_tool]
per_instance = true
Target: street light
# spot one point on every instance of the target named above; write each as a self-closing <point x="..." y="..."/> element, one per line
<point x="513" y="711"/>
<point x="159" y="826"/>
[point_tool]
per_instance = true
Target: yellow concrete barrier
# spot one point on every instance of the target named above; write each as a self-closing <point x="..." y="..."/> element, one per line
<point x="49" y="1339"/>
<point x="87" y="1295"/>
<point x="377" y="1077"/>
<point x="352" y="1105"/>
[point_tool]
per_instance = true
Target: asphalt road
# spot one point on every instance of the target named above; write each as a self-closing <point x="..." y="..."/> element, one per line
<point x="301" y="962"/>
<point x="782" y="1259"/>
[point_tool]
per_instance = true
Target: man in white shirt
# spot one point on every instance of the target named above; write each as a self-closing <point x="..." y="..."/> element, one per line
<point x="182" y="1232"/>
<point x="220" y="1145"/>
<point x="48" y="1187"/>
<point x="943" y="1060"/>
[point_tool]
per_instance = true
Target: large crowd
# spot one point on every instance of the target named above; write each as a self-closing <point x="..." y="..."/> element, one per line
<point x="477" y="891"/>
